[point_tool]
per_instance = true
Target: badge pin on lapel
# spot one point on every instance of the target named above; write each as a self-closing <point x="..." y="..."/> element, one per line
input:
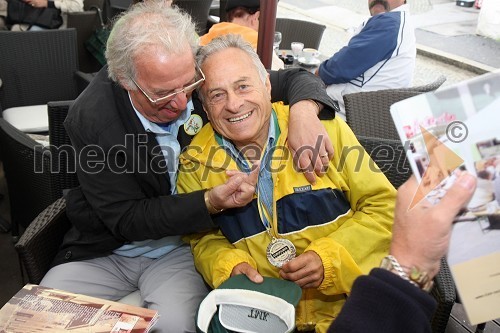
<point x="193" y="125"/>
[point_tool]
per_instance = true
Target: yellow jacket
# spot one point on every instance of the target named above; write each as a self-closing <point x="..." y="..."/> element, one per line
<point x="346" y="217"/>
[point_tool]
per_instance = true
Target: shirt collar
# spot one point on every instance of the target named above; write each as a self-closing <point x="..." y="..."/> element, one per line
<point x="171" y="127"/>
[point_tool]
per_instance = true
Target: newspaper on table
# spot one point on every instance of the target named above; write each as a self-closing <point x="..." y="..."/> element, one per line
<point x="458" y="127"/>
<point x="40" y="309"/>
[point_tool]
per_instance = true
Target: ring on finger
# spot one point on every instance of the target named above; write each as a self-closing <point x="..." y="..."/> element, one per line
<point x="323" y="155"/>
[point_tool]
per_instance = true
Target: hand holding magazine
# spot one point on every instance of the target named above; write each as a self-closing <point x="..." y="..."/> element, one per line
<point x="458" y="127"/>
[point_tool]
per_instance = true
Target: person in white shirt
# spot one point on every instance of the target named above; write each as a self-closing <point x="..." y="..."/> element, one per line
<point x="381" y="56"/>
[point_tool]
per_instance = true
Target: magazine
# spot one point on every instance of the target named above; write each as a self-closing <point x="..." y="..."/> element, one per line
<point x="40" y="309"/>
<point x="458" y="127"/>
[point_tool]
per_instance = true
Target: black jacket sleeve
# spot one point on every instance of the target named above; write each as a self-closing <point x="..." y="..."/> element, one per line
<point x="384" y="302"/>
<point x="295" y="84"/>
<point x="124" y="192"/>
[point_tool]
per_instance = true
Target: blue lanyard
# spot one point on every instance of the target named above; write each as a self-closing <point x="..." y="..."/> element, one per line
<point x="265" y="181"/>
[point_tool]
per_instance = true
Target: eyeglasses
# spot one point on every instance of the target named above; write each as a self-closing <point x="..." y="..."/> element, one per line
<point x="186" y="90"/>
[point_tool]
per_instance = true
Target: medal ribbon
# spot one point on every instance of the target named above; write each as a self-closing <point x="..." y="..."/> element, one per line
<point x="265" y="182"/>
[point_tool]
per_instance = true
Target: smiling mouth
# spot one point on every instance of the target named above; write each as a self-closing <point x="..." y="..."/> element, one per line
<point x="240" y="118"/>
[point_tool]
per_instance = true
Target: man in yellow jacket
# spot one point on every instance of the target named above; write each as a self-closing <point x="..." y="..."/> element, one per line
<point x="320" y="236"/>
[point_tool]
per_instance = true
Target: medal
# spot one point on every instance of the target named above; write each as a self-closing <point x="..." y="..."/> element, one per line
<point x="280" y="251"/>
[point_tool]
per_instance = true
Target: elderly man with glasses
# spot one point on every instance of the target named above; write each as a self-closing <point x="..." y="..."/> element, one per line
<point x="128" y="129"/>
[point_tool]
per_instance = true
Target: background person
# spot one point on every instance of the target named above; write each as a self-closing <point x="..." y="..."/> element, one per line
<point x="384" y="301"/>
<point x="321" y="237"/>
<point x="243" y="19"/>
<point x="65" y="6"/>
<point x="128" y="128"/>
<point x="380" y="56"/>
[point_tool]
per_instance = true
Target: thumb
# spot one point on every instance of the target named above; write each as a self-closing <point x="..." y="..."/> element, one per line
<point x="253" y="275"/>
<point x="232" y="185"/>
<point x="457" y="196"/>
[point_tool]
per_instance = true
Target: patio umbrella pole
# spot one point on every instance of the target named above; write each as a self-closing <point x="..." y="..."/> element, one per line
<point x="267" y="26"/>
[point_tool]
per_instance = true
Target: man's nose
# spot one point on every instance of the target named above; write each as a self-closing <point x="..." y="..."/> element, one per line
<point x="180" y="101"/>
<point x="234" y="102"/>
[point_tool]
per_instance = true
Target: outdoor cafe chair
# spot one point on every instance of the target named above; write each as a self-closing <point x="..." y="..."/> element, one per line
<point x="36" y="67"/>
<point x="292" y="30"/>
<point x="368" y="113"/>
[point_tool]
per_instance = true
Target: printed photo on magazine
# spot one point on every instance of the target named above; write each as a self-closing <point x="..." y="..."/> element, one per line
<point x="458" y="128"/>
<point x="41" y="309"/>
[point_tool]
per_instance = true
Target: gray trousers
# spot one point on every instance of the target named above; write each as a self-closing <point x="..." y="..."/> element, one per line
<point x="171" y="285"/>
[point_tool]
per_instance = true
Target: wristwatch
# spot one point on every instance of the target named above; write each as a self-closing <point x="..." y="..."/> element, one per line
<point x="413" y="275"/>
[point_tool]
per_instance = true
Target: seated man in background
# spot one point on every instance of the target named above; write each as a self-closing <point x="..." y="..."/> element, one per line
<point x="381" y="56"/>
<point x="319" y="236"/>
<point x="243" y="19"/>
<point x="57" y="7"/>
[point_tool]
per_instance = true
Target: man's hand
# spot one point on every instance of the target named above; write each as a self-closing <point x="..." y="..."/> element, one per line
<point x="308" y="140"/>
<point x="305" y="270"/>
<point x="237" y="191"/>
<point x="421" y="235"/>
<point x="245" y="268"/>
<point x="37" y="3"/>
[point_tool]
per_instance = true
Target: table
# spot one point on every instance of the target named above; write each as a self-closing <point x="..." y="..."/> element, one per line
<point x="310" y="68"/>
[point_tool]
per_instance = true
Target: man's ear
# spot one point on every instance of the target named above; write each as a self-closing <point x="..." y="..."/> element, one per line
<point x="125" y="84"/>
<point x="206" y="111"/>
<point x="268" y="84"/>
<point x="257" y="15"/>
<point x="254" y="20"/>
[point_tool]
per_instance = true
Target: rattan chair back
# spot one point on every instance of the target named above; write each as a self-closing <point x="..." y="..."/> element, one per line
<point x="26" y="166"/>
<point x="39" y="244"/>
<point x="199" y="11"/>
<point x="368" y="113"/>
<point x="292" y="30"/>
<point x="85" y="23"/>
<point x="37" y="67"/>
<point x="63" y="155"/>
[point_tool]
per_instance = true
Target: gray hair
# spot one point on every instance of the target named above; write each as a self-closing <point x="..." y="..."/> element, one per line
<point x="150" y="23"/>
<point x="225" y="42"/>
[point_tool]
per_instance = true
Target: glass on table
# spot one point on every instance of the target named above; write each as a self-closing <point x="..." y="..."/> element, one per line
<point x="297" y="48"/>
<point x="277" y="41"/>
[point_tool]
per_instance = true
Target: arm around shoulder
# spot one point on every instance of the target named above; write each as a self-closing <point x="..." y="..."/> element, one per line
<point x="296" y="84"/>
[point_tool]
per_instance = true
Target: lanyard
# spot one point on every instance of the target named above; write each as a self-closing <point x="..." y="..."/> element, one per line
<point x="264" y="188"/>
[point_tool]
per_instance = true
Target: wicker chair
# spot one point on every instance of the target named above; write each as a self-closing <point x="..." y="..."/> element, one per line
<point x="368" y="113"/>
<point x="62" y="153"/>
<point x="85" y="23"/>
<point x="199" y="11"/>
<point x="36" y="67"/>
<point x="309" y="33"/>
<point x="40" y="242"/>
<point x="27" y="172"/>
<point x="390" y="156"/>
